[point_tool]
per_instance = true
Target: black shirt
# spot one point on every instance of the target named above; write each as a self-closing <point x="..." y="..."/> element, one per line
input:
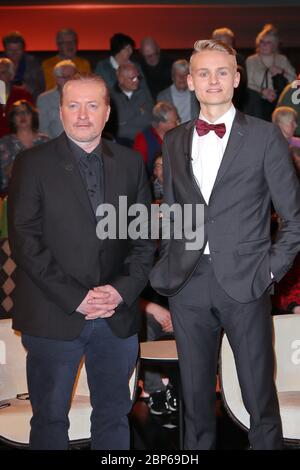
<point x="90" y="166"/>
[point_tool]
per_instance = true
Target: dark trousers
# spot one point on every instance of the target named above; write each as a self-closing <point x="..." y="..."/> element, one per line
<point x="199" y="312"/>
<point x="52" y="366"/>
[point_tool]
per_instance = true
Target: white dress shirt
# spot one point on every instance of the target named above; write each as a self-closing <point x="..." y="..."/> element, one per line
<point x="207" y="154"/>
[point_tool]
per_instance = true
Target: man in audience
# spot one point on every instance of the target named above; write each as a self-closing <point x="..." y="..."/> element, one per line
<point x="48" y="102"/>
<point x="12" y="93"/>
<point x="131" y="105"/>
<point x="67" y="45"/>
<point x="148" y="142"/>
<point x="28" y="73"/>
<point x="156" y="66"/>
<point x="178" y="93"/>
<point x="285" y="118"/>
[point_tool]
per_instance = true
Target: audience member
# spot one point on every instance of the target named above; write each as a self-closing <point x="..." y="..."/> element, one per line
<point x="28" y="71"/>
<point x="121" y="50"/>
<point x="13" y="93"/>
<point x="131" y="105"/>
<point x="149" y="141"/>
<point x="268" y="71"/>
<point x="48" y="103"/>
<point x="156" y="66"/>
<point x="286" y="119"/>
<point x="24" y="124"/>
<point x="178" y="93"/>
<point x="67" y="48"/>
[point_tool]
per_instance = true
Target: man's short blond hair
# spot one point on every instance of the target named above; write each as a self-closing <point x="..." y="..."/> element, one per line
<point x="212" y="45"/>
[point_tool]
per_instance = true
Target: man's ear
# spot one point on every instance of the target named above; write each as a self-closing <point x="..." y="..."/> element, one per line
<point x="236" y="80"/>
<point x="108" y="113"/>
<point x="190" y="82"/>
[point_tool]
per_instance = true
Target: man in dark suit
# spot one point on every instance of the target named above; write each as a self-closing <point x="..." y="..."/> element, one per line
<point x="76" y="294"/>
<point x="232" y="165"/>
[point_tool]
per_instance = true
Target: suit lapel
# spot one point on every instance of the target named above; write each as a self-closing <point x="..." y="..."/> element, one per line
<point x="71" y="172"/>
<point x="187" y="148"/>
<point x="111" y="176"/>
<point x="236" y="139"/>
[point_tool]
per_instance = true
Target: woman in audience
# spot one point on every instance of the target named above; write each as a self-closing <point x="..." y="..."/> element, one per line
<point x="268" y="71"/>
<point x="24" y="123"/>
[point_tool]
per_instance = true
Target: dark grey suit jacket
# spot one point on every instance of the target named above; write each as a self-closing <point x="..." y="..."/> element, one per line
<point x="255" y="168"/>
<point x="52" y="234"/>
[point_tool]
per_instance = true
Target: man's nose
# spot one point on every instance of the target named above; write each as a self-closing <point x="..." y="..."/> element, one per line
<point x="82" y="112"/>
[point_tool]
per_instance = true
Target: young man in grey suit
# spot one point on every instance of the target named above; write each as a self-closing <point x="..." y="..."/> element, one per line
<point x="76" y="293"/>
<point x="233" y="165"/>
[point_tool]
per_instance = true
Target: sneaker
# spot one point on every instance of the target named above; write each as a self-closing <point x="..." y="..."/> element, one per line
<point x="158" y="403"/>
<point x="171" y="398"/>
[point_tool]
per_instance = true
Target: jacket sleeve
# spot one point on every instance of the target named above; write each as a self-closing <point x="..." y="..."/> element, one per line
<point x="25" y="231"/>
<point x="285" y="193"/>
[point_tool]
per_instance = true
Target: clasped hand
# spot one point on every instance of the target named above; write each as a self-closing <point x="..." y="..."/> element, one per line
<point x="100" y="302"/>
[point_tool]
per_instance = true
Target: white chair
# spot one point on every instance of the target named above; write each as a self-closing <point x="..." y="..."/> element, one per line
<point x="287" y="378"/>
<point x="15" y="418"/>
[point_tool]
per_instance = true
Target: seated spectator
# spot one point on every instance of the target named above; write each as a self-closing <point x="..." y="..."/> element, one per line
<point x="268" y="71"/>
<point x="178" y="93"/>
<point x="28" y="71"/>
<point x="286" y="119"/>
<point x="67" y="44"/>
<point x="291" y="97"/>
<point x="157" y="388"/>
<point x="227" y="35"/>
<point x="23" y="123"/>
<point x="13" y="93"/>
<point x="121" y="49"/>
<point x="48" y="103"/>
<point x="131" y="105"/>
<point x="157" y="179"/>
<point x="156" y="66"/>
<point x="148" y="142"/>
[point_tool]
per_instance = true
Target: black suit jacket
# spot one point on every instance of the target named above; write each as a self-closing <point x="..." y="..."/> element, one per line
<point x="255" y="168"/>
<point x="52" y="234"/>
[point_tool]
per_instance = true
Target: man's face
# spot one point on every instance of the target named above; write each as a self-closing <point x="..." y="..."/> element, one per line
<point x="180" y="80"/>
<point x="172" y="121"/>
<point x="84" y="111"/>
<point x="150" y="54"/>
<point x="14" y="51"/>
<point x="213" y="77"/>
<point x="67" y="46"/>
<point x="125" y="54"/>
<point x="129" y="79"/>
<point x="287" y="126"/>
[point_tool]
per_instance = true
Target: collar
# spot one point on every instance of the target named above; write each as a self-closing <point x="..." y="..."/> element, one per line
<point x="227" y="118"/>
<point x="78" y="152"/>
<point x="114" y="63"/>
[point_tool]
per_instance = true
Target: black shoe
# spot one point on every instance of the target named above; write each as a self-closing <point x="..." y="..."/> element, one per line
<point x="171" y="398"/>
<point x="158" y="403"/>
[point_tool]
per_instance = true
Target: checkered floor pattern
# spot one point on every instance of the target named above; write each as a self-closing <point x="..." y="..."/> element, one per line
<point x="7" y="279"/>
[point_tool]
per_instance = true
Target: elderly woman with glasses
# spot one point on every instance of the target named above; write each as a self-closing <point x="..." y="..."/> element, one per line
<point x="24" y="123"/>
<point x="268" y="71"/>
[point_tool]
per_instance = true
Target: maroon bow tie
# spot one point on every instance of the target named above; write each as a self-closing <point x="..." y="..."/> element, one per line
<point x="203" y="128"/>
